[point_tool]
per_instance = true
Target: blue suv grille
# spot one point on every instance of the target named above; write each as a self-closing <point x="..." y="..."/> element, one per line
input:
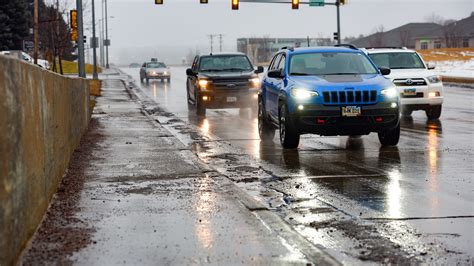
<point x="347" y="97"/>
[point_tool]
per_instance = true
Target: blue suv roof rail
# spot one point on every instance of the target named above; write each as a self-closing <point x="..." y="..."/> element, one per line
<point x="347" y="45"/>
<point x="287" y="48"/>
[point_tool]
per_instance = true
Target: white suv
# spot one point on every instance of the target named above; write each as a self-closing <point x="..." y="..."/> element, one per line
<point x="419" y="87"/>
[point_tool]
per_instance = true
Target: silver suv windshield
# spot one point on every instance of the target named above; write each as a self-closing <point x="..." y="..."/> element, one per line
<point x="328" y="63"/>
<point x="155" y="65"/>
<point x="397" y="60"/>
<point x="225" y="63"/>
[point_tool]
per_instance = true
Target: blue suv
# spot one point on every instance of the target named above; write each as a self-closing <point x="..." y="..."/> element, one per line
<point x="328" y="91"/>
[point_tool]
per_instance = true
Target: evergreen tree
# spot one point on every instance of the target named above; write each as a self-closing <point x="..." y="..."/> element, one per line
<point x="14" y="24"/>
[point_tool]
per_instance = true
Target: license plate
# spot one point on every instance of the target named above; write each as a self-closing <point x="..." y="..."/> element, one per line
<point x="231" y="99"/>
<point x="409" y="92"/>
<point x="351" y="111"/>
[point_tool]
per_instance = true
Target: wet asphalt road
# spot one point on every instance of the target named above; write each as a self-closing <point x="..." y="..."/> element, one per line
<point x="418" y="195"/>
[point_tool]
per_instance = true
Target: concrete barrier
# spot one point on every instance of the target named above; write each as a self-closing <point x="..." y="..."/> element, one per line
<point x="42" y="118"/>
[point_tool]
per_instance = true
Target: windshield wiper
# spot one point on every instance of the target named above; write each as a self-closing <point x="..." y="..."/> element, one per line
<point x="299" y="74"/>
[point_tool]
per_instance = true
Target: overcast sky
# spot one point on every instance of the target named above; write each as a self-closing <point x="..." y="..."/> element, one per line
<point x="141" y="29"/>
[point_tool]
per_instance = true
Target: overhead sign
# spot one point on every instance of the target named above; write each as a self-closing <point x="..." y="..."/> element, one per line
<point x="316" y="3"/>
<point x="73" y="21"/>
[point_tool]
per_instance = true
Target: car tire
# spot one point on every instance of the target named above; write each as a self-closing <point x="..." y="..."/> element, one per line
<point x="407" y="112"/>
<point x="200" y="108"/>
<point x="390" y="137"/>
<point x="433" y="112"/>
<point x="265" y="130"/>
<point x="289" y="135"/>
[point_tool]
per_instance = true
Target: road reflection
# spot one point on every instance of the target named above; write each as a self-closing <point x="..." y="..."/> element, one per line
<point x="205" y="206"/>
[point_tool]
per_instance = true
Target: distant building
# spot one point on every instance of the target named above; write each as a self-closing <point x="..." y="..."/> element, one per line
<point x="459" y="34"/>
<point x="423" y="36"/>
<point x="404" y="36"/>
<point x="260" y="50"/>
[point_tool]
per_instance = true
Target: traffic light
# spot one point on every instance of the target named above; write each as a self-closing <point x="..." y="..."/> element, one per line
<point x="73" y="18"/>
<point x="295" y="4"/>
<point x="204" y="1"/>
<point x="158" y="2"/>
<point x="336" y="36"/>
<point x="235" y="4"/>
<point x="342" y="2"/>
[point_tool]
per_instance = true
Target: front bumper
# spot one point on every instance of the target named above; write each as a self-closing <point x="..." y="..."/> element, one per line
<point x="328" y="120"/>
<point x="421" y="99"/>
<point x="221" y="99"/>
<point x="158" y="75"/>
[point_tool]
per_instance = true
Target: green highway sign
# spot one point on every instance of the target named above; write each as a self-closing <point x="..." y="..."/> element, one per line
<point x="316" y="3"/>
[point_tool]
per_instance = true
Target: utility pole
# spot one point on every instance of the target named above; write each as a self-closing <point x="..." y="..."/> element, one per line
<point x="338" y="4"/>
<point x="107" y="41"/>
<point x="211" y="37"/>
<point x="220" y="42"/>
<point x="80" y="40"/>
<point x="36" y="21"/>
<point x="94" y="44"/>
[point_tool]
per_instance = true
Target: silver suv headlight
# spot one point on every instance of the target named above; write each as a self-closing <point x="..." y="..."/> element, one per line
<point x="434" y="79"/>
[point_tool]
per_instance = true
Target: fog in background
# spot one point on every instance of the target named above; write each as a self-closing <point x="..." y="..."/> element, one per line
<point x="140" y="29"/>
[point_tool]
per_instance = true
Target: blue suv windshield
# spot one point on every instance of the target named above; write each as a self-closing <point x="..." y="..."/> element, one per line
<point x="330" y="63"/>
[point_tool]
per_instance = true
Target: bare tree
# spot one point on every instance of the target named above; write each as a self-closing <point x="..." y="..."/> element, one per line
<point x="405" y="37"/>
<point x="435" y="18"/>
<point x="377" y="39"/>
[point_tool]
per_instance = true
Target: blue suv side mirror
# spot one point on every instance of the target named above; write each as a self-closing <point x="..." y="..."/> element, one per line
<point x="385" y="71"/>
<point x="276" y="73"/>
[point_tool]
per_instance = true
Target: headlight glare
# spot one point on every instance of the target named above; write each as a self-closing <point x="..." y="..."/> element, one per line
<point x="434" y="79"/>
<point x="391" y="92"/>
<point x="302" y="94"/>
<point x="255" y="82"/>
<point x="203" y="83"/>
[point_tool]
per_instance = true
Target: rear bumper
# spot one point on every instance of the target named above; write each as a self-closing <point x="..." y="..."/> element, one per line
<point x="229" y="99"/>
<point x="328" y="120"/>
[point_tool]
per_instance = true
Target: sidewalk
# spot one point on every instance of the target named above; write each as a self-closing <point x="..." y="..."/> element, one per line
<point x="134" y="194"/>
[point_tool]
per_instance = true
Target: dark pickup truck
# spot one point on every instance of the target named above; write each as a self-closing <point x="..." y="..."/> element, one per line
<point x="224" y="80"/>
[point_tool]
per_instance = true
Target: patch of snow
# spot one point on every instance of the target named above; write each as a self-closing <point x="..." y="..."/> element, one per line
<point x="457" y="68"/>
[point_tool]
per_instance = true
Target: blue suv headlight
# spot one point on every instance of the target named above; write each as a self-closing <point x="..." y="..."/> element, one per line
<point x="391" y="92"/>
<point x="302" y="94"/>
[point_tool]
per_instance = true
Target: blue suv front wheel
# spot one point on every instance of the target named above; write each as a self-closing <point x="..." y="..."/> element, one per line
<point x="289" y="135"/>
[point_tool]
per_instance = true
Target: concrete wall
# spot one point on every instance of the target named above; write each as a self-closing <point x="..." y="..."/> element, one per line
<point x="42" y="118"/>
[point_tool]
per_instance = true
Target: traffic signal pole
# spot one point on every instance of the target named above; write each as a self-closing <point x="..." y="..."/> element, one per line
<point x="80" y="40"/>
<point x="338" y="4"/>
<point x="107" y="44"/>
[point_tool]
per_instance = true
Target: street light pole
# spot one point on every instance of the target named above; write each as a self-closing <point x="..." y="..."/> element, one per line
<point x="94" y="44"/>
<point x="80" y="40"/>
<point x="107" y="42"/>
